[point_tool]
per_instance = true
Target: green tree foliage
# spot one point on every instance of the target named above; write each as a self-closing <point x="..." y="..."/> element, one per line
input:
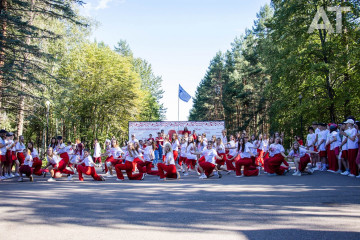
<point x="278" y="74"/>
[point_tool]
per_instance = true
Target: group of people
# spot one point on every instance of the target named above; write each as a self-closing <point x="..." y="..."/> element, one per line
<point x="328" y="147"/>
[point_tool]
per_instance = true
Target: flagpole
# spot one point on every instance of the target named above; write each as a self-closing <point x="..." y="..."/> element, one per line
<point x="178" y="104"/>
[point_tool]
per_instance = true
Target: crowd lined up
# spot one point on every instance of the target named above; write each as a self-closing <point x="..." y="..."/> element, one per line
<point x="328" y="147"/>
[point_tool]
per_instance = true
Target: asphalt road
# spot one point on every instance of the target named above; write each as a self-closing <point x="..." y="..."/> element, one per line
<point x="319" y="206"/>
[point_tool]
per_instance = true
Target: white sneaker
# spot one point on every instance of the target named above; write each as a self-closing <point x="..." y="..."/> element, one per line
<point x="120" y="180"/>
<point x="186" y="174"/>
<point x="203" y="176"/>
<point x="109" y="175"/>
<point x="20" y="179"/>
<point x="358" y="176"/>
<point x="332" y="171"/>
<point x="17" y="175"/>
<point x="351" y="175"/>
<point x="2" y="177"/>
<point x="323" y="169"/>
<point x="6" y="176"/>
<point x="229" y="172"/>
<point x="345" y="173"/>
<point x="311" y="170"/>
<point x="316" y="169"/>
<point x="239" y="176"/>
<point x="338" y="171"/>
<point x="69" y="178"/>
<point x="51" y="180"/>
<point x="11" y="175"/>
<point x="297" y="174"/>
<point x="198" y="173"/>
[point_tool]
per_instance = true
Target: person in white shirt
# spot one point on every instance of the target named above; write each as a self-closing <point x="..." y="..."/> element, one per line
<point x="343" y="156"/>
<point x="276" y="159"/>
<point x="26" y="168"/>
<point x="310" y="145"/>
<point x="128" y="166"/>
<point x="8" y="163"/>
<point x="19" y="148"/>
<point x="351" y="134"/>
<point x="301" y="159"/>
<point x="322" y="137"/>
<point x="246" y="153"/>
<point x="87" y="167"/>
<point x="175" y="146"/>
<point x="37" y="163"/>
<point x="333" y="153"/>
<point x="182" y="158"/>
<point x="168" y="170"/>
<point x="56" y="166"/>
<point x="97" y="152"/>
<point x="61" y="150"/>
<point x="208" y="166"/>
<point x="114" y="157"/>
<point x="232" y="146"/>
<point x="149" y="156"/>
<point x="133" y="139"/>
<point x="190" y="158"/>
<point x="221" y="151"/>
<point x="224" y="137"/>
<point x="3" y="150"/>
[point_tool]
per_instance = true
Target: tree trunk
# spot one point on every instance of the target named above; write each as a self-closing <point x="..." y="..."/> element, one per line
<point x="3" y="29"/>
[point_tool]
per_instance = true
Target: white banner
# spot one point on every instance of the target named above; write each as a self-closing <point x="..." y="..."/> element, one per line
<point x="143" y="129"/>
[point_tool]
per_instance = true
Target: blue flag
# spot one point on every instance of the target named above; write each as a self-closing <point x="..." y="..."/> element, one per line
<point x="183" y="95"/>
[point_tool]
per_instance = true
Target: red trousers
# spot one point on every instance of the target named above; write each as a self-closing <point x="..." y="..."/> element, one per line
<point x="259" y="159"/>
<point x="229" y="163"/>
<point x="176" y="154"/>
<point x="14" y="156"/>
<point x="333" y="161"/>
<point x="182" y="160"/>
<point x="202" y="159"/>
<point x="208" y="168"/>
<point x="21" y="157"/>
<point x="145" y="167"/>
<point x="65" y="157"/>
<point x="62" y="167"/>
<point x="352" y="153"/>
<point x="136" y="162"/>
<point x="25" y="169"/>
<point x="274" y="164"/>
<point x="88" y="171"/>
<point x="191" y="163"/>
<point x="304" y="162"/>
<point x="128" y="167"/>
<point x="249" y="168"/>
<point x="9" y="158"/>
<point x="221" y="161"/>
<point x="169" y="169"/>
<point x="37" y="164"/>
<point x="113" y="162"/>
<point x="97" y="159"/>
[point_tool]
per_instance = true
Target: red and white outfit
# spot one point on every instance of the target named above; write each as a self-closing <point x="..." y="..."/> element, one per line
<point x="303" y="156"/>
<point x="221" y="151"/>
<point x="37" y="163"/>
<point x="114" y="157"/>
<point x="190" y="158"/>
<point x="88" y="169"/>
<point x="246" y="161"/>
<point x="168" y="168"/>
<point x="322" y="135"/>
<point x="334" y="151"/>
<point x="146" y="165"/>
<point x="62" y="150"/>
<point x="26" y="168"/>
<point x="273" y="163"/>
<point x="3" y="151"/>
<point x="232" y="153"/>
<point x="97" y="153"/>
<point x="182" y="158"/>
<point x="310" y="140"/>
<point x="209" y="164"/>
<point x="175" y="146"/>
<point x="9" y="158"/>
<point x="19" y="147"/>
<point x="352" y="150"/>
<point x="128" y="166"/>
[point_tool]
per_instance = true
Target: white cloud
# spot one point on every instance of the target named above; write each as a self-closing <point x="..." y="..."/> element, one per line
<point x="96" y="5"/>
<point x="103" y="4"/>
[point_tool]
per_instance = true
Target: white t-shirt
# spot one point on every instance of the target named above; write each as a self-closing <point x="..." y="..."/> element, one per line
<point x="247" y="150"/>
<point x="234" y="147"/>
<point x="345" y="146"/>
<point x="169" y="159"/>
<point x="301" y="153"/>
<point x="175" y="145"/>
<point x="55" y="159"/>
<point x="220" y="148"/>
<point x="352" y="144"/>
<point x="333" y="136"/>
<point x="209" y="155"/>
<point x="34" y="153"/>
<point x="3" y="149"/>
<point x="264" y="145"/>
<point x="183" y="150"/>
<point x="115" y="152"/>
<point x="88" y="161"/>
<point x="128" y="157"/>
<point x="97" y="150"/>
<point x="310" y="139"/>
<point x="224" y="140"/>
<point x="275" y="149"/>
<point x="322" y="135"/>
<point x="149" y="154"/>
<point x="28" y="160"/>
<point x="60" y="148"/>
<point x="189" y="149"/>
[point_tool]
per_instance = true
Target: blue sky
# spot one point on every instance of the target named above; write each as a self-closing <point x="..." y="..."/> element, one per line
<point x="178" y="37"/>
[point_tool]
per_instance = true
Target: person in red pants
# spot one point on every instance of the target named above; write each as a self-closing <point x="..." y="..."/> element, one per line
<point x="351" y="134"/>
<point x="190" y="158"/>
<point x="175" y="146"/>
<point x="182" y="158"/>
<point x="128" y="165"/>
<point x="65" y="159"/>
<point x="26" y="168"/>
<point x="168" y="170"/>
<point x="37" y="163"/>
<point x="114" y="157"/>
<point x="56" y="166"/>
<point x="87" y="167"/>
<point x="246" y="154"/>
<point x="276" y="159"/>
<point x="208" y="166"/>
<point x="20" y="146"/>
<point x="221" y="151"/>
<point x="301" y="159"/>
<point x="232" y="146"/>
<point x="149" y="156"/>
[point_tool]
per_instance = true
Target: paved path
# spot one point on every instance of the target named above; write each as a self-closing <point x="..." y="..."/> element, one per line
<point x="320" y="206"/>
